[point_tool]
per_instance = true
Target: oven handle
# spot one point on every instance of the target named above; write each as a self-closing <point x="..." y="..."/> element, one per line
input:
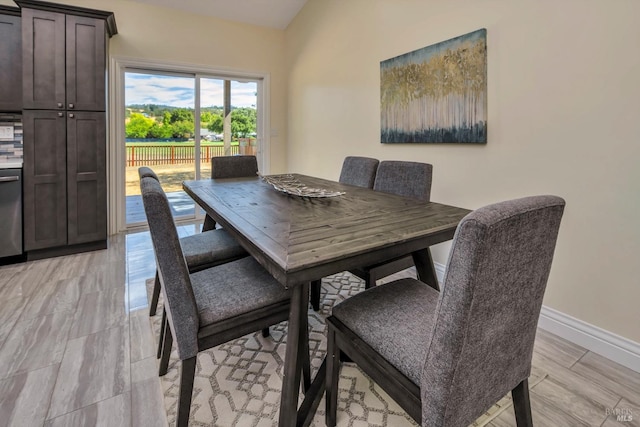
<point x="9" y="178"/>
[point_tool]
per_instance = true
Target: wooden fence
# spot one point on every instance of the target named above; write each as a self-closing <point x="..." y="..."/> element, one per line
<point x="166" y="154"/>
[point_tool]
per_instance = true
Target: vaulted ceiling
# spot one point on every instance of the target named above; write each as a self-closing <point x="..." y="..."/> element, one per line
<point x="266" y="13"/>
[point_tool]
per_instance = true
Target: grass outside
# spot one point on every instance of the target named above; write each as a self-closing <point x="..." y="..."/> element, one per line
<point x="171" y="176"/>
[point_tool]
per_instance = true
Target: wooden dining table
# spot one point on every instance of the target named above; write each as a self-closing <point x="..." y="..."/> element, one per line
<point x="301" y="239"/>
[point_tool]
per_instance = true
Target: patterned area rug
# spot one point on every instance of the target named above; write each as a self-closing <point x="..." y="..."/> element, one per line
<point x="239" y="383"/>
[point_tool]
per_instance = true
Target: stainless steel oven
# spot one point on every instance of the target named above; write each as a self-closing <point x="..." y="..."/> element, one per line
<point x="10" y="212"/>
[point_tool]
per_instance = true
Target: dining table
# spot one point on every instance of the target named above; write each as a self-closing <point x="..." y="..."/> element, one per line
<point x="302" y="228"/>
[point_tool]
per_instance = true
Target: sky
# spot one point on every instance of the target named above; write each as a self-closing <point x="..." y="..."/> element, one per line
<point x="179" y="91"/>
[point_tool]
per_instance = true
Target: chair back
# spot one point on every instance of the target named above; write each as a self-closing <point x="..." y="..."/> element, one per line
<point x="147" y="172"/>
<point x="233" y="166"/>
<point x="359" y="171"/>
<point x="179" y="300"/>
<point x="409" y="179"/>
<point x="488" y="309"/>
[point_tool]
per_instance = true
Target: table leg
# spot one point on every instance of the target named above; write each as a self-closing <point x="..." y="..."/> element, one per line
<point x="293" y="356"/>
<point x="312" y="398"/>
<point x="425" y="268"/>
<point x="304" y="358"/>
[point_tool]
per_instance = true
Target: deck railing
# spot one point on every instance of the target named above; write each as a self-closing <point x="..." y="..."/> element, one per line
<point x="138" y="155"/>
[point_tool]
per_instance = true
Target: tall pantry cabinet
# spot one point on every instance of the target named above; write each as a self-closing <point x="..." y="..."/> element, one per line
<point x="10" y="59"/>
<point x="64" y="51"/>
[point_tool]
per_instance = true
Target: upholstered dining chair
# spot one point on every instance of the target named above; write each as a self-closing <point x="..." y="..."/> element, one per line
<point x="358" y="171"/>
<point x="230" y="167"/>
<point x="209" y="307"/>
<point x="409" y="179"/>
<point x="448" y="356"/>
<point x="201" y="251"/>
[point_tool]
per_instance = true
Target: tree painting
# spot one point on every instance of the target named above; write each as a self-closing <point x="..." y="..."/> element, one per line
<point x="437" y="93"/>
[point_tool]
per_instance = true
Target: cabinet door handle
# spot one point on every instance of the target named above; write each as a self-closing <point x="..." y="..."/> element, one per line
<point x="70" y="105"/>
<point x="71" y="115"/>
<point x="60" y="115"/>
<point x="9" y="178"/>
<point x="60" y="105"/>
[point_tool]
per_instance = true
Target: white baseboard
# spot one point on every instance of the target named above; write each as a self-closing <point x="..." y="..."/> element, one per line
<point x="614" y="347"/>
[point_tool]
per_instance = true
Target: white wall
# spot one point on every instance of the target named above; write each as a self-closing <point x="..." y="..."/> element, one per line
<point x="162" y="34"/>
<point x="563" y="99"/>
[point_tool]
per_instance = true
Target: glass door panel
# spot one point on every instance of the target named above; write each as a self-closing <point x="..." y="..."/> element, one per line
<point x="244" y="99"/>
<point x="228" y="119"/>
<point x="212" y="142"/>
<point x="160" y="134"/>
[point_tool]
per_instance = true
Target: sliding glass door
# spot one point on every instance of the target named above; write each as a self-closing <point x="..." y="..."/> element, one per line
<point x="228" y="119"/>
<point x="175" y="123"/>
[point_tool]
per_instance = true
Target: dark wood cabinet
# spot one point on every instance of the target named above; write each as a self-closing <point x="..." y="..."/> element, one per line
<point x="64" y="178"/>
<point x="86" y="56"/>
<point x="45" y="179"/>
<point x="10" y="59"/>
<point x="86" y="177"/>
<point x="43" y="59"/>
<point x="64" y="61"/>
<point x="64" y="52"/>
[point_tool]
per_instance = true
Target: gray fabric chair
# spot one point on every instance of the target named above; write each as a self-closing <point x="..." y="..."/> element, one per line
<point x="230" y="167"/>
<point x="201" y="251"/>
<point x="209" y="307"/>
<point x="448" y="356"/>
<point x="409" y="179"/>
<point x="147" y="172"/>
<point x="358" y="171"/>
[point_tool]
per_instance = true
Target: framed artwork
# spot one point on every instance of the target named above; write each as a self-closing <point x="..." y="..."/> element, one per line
<point x="437" y="93"/>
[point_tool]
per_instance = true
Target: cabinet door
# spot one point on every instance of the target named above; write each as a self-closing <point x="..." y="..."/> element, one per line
<point x="45" y="179"/>
<point x="86" y="177"/>
<point x="43" y="59"/>
<point x="10" y="63"/>
<point x="86" y="47"/>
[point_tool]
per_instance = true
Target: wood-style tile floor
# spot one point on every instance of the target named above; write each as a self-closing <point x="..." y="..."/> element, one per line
<point x="76" y="349"/>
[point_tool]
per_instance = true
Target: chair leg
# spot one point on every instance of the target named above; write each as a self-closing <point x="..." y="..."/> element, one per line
<point x="155" y="296"/>
<point x="266" y="333"/>
<point x="370" y="279"/>
<point x="315" y="294"/>
<point x="368" y="282"/>
<point x="163" y="325"/>
<point x="333" y="370"/>
<point x="167" y="342"/>
<point x="186" y="390"/>
<point x="209" y="223"/>
<point x="522" y="405"/>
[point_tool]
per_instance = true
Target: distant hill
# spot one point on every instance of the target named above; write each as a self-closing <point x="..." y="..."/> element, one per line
<point x="158" y="110"/>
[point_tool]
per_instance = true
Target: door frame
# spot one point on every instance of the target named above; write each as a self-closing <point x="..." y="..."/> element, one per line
<point x="116" y="158"/>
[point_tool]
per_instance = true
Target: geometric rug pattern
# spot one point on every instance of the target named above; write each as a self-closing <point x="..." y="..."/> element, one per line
<point x="238" y="383"/>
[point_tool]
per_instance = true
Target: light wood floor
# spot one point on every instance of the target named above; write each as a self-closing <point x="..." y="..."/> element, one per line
<point x="76" y="350"/>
